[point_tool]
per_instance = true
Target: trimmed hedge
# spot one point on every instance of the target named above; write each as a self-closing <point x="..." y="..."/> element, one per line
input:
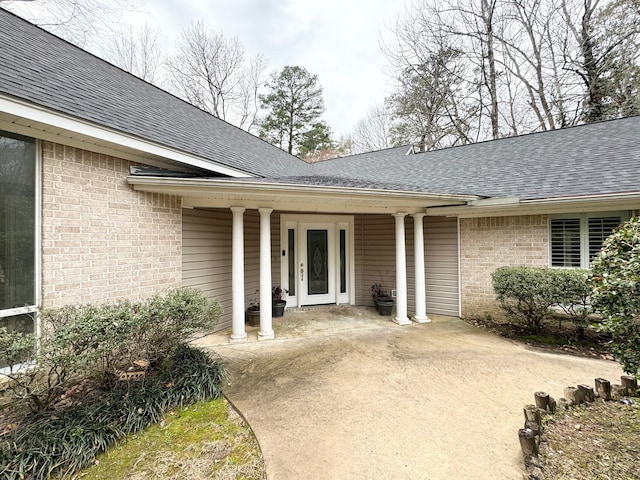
<point x="527" y="294"/>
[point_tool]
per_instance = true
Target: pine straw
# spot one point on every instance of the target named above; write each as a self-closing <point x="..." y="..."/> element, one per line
<point x="596" y="441"/>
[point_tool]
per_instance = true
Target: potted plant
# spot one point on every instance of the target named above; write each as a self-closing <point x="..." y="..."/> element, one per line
<point x="252" y="315"/>
<point x="383" y="301"/>
<point x="278" y="295"/>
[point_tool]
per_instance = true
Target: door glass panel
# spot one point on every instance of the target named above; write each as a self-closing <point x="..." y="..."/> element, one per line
<point x="292" y="261"/>
<point x="17" y="221"/>
<point x="317" y="262"/>
<point x="343" y="261"/>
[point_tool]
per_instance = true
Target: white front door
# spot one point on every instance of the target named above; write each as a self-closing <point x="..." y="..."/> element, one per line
<point x="317" y="263"/>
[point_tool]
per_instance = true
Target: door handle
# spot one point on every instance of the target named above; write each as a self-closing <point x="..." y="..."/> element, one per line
<point x="302" y="272"/>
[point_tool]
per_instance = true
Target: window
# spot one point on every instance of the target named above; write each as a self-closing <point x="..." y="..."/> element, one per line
<point x="18" y="233"/>
<point x="576" y="239"/>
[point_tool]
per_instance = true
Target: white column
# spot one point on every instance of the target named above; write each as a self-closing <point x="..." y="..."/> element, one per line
<point x="238" y="333"/>
<point x="418" y="245"/>
<point x="266" y="324"/>
<point x="401" y="272"/>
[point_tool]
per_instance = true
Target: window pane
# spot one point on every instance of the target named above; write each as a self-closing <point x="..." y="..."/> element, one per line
<point x="318" y="262"/>
<point x="17" y="221"/>
<point x="565" y="242"/>
<point x="343" y="261"/>
<point x="292" y="261"/>
<point x="599" y="229"/>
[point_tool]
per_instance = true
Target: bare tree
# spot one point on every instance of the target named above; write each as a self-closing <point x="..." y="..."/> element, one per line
<point x="81" y="22"/>
<point x="373" y="132"/>
<point x="137" y="51"/>
<point x="209" y="70"/>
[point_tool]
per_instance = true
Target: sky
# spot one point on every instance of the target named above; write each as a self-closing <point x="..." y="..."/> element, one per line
<point x="339" y="40"/>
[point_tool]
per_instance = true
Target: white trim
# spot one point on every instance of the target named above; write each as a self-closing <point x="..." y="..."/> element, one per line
<point x="459" y="269"/>
<point x="104" y="134"/>
<point x="295" y="221"/>
<point x="583" y="218"/>
<point x="37" y="249"/>
<point x="578" y="204"/>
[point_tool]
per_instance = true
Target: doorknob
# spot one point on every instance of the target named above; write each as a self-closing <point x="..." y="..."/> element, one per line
<point x="302" y="272"/>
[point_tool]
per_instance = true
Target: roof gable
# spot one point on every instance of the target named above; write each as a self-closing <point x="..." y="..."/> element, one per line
<point x="45" y="70"/>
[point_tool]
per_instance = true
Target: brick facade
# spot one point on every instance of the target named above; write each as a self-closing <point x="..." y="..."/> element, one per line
<point x="101" y="240"/>
<point x="489" y="243"/>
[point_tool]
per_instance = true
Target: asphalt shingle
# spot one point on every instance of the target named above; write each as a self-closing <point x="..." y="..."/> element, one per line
<point x="39" y="67"/>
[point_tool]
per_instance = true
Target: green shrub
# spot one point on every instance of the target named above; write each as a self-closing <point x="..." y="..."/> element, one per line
<point x="92" y="342"/>
<point x="615" y="282"/>
<point x="65" y="441"/>
<point x="526" y="294"/>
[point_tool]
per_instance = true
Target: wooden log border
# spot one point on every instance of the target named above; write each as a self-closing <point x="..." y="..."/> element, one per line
<point x="531" y="434"/>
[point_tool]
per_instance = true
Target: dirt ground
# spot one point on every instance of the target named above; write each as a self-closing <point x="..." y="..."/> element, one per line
<point x="343" y="394"/>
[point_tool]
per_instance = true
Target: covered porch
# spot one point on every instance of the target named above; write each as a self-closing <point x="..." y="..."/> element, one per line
<point x="324" y="245"/>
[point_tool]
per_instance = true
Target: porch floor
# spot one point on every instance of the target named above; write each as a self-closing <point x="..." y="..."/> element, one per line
<point x="312" y="321"/>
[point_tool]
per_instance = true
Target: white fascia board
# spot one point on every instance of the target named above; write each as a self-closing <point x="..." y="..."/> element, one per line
<point x="578" y="204"/>
<point x="82" y="127"/>
<point x="195" y="184"/>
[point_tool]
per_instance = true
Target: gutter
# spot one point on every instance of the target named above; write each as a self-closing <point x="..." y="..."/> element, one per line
<point x="498" y="207"/>
<point x="163" y="185"/>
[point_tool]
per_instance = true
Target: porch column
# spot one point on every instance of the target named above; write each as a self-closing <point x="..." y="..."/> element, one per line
<point x="401" y="272"/>
<point x="418" y="245"/>
<point x="266" y="324"/>
<point x="238" y="333"/>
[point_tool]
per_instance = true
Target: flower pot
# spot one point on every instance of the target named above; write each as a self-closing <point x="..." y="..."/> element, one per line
<point x="277" y="310"/>
<point x="252" y="317"/>
<point x="384" y="306"/>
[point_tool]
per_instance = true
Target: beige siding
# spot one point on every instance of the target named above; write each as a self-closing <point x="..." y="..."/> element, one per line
<point x="376" y="262"/>
<point x="101" y="240"/>
<point x="441" y="265"/>
<point x="489" y="243"/>
<point x="206" y="262"/>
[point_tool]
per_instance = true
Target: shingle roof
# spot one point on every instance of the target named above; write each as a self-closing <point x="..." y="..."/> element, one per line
<point x="41" y="68"/>
<point x="599" y="158"/>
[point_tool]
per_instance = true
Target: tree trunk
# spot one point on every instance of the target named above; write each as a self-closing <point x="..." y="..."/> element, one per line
<point x="618" y="391"/>
<point x="631" y="383"/>
<point x="603" y="388"/>
<point x="528" y="442"/>
<point x="542" y="400"/>
<point x="587" y="393"/>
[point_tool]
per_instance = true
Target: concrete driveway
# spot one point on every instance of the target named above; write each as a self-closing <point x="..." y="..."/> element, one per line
<point x="345" y="394"/>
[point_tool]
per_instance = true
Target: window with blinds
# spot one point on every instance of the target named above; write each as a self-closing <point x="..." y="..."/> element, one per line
<point x="599" y="229"/>
<point x="565" y="242"/>
<point x="575" y="240"/>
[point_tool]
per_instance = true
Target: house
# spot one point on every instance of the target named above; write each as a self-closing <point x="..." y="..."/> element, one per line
<point x="112" y="188"/>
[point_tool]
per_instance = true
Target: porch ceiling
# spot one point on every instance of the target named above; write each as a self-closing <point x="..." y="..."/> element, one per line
<point x="216" y="193"/>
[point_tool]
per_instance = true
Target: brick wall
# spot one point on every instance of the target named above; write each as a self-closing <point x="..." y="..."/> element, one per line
<point x="489" y="243"/>
<point x="101" y="240"/>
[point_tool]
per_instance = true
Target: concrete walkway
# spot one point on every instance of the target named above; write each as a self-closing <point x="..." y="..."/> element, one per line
<point x="346" y="394"/>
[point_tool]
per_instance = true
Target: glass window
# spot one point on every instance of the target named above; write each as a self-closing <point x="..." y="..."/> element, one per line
<point x="17" y="227"/>
<point x="575" y="240"/>
<point x="292" y="261"/>
<point x="343" y="261"/>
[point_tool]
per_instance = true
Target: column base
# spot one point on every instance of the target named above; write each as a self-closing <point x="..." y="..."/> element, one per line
<point x="424" y="319"/>
<point x="402" y="320"/>
<point x="238" y="338"/>
<point x="266" y="335"/>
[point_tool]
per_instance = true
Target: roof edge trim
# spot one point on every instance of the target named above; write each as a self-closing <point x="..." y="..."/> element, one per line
<point x="273" y="187"/>
<point x="37" y="113"/>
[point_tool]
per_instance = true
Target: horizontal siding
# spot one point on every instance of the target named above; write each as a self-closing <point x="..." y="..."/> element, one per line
<point x="441" y="265"/>
<point x="206" y="255"/>
<point x="376" y="262"/>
